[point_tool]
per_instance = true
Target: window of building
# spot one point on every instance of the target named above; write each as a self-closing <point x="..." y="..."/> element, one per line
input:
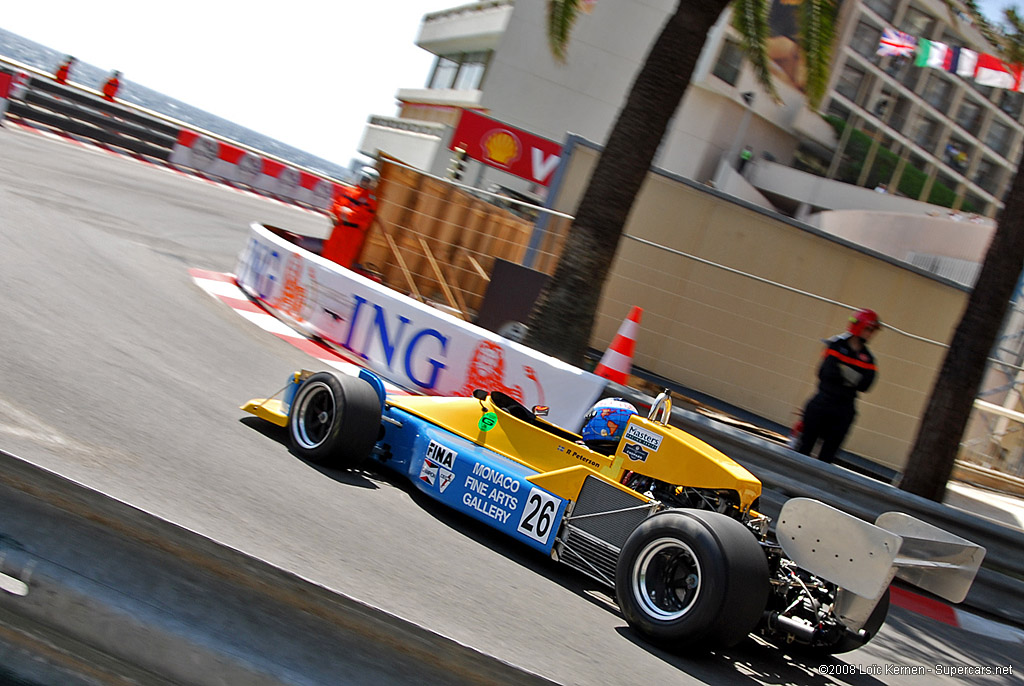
<point x="471" y="70"/>
<point x="886" y="9"/>
<point x="850" y="81"/>
<point x="986" y="91"/>
<point x="838" y="110"/>
<point x="938" y="90"/>
<point x="988" y="175"/>
<point x="969" y="116"/>
<point x="999" y="137"/>
<point x="883" y="105"/>
<point x="900" y="113"/>
<point x="909" y="74"/>
<point x="917" y="23"/>
<point x="443" y="76"/>
<point x="865" y="40"/>
<point x="730" y="59"/>
<point x="462" y="71"/>
<point x="1011" y="102"/>
<point x="926" y="134"/>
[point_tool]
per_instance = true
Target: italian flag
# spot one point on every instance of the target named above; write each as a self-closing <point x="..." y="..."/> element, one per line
<point x="931" y="53"/>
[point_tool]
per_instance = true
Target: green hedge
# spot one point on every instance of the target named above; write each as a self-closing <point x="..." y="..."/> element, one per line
<point x="911" y="181"/>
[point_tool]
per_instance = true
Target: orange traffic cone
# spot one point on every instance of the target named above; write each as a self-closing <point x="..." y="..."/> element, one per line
<point x="617" y="361"/>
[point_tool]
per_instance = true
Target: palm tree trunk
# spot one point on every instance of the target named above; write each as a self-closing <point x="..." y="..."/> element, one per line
<point x="563" y="318"/>
<point x="938" y="438"/>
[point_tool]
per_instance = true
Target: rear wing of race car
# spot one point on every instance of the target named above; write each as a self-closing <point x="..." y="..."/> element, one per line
<point x="863" y="558"/>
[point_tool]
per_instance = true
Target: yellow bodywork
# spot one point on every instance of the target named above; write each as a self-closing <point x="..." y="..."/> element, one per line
<point x="650" y="448"/>
<point x="269" y="409"/>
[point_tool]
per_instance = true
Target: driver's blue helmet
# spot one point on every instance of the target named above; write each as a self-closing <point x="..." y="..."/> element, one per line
<point x="606" y="420"/>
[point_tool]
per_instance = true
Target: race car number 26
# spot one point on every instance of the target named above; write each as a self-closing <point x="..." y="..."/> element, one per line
<point x="539" y="515"/>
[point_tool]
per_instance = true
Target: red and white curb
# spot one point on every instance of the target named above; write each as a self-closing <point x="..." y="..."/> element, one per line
<point x="953" y="616"/>
<point x="223" y="287"/>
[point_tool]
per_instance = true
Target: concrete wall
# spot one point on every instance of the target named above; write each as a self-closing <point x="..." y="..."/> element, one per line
<point x="755" y="345"/>
<point x="900" y="234"/>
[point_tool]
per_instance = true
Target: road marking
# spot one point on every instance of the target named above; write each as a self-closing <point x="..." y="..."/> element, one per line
<point x="223" y="287"/>
<point x="28" y="426"/>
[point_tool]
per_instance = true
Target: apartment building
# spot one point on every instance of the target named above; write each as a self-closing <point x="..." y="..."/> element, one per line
<point x="926" y="134"/>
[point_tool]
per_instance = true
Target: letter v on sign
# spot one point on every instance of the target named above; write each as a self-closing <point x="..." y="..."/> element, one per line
<point x="543" y="165"/>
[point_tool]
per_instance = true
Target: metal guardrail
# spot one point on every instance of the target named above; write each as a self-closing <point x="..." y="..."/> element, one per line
<point x="787" y="474"/>
<point x="98" y="577"/>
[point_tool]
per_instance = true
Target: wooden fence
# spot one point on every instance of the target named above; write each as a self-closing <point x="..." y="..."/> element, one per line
<point x="438" y="243"/>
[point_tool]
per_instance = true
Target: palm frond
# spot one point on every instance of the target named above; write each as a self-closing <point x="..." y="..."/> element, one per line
<point x="561" y="17"/>
<point x="750" y="19"/>
<point x="817" y="37"/>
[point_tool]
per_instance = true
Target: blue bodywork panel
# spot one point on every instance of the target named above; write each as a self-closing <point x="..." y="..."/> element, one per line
<point x="466" y="477"/>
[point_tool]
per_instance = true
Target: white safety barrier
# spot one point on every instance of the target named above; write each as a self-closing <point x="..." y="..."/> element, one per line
<point x="411" y="344"/>
<point x="222" y="160"/>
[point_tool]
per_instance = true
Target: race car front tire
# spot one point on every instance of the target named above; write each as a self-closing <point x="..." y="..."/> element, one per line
<point x="692" y="580"/>
<point x="334" y="420"/>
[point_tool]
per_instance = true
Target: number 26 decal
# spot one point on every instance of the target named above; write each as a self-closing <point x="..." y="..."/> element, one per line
<point x="539" y="515"/>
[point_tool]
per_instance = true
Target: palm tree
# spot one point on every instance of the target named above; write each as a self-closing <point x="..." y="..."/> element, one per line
<point x="564" y="316"/>
<point x="949" y="407"/>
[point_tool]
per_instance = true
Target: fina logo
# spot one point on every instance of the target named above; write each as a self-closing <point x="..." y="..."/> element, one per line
<point x="635" y="453"/>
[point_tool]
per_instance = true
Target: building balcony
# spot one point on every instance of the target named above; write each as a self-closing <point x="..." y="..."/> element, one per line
<point x="468" y="28"/>
<point x="415" y="143"/>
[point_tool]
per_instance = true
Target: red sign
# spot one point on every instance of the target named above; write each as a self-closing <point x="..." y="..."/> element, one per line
<point x="5" y="84"/>
<point x="507" y="148"/>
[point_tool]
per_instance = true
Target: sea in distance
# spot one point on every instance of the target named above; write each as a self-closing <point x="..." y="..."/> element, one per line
<point x="46" y="59"/>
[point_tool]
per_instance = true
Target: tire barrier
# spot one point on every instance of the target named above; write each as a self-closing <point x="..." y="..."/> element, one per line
<point x="83" y="113"/>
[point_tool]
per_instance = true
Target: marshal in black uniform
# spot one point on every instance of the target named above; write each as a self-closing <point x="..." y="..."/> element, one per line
<point x="847" y="368"/>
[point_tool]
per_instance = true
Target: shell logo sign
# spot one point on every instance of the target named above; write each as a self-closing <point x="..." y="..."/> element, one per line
<point x="501" y="148"/>
<point x="507" y="148"/>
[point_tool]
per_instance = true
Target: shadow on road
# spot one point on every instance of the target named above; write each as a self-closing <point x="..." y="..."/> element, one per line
<point x="280" y="435"/>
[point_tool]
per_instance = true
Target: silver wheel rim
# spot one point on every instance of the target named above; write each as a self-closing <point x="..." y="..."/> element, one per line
<point x="666" y="579"/>
<point x="314" y="415"/>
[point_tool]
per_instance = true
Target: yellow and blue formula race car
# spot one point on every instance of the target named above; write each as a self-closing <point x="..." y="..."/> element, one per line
<point x="664" y="520"/>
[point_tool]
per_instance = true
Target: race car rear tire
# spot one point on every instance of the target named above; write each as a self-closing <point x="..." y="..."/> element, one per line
<point x="334" y="420"/>
<point x="691" y="580"/>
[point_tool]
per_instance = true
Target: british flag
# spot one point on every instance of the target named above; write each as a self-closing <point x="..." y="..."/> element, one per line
<point x="896" y="44"/>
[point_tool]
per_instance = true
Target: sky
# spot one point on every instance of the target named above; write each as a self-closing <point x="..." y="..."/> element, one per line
<point x="306" y="73"/>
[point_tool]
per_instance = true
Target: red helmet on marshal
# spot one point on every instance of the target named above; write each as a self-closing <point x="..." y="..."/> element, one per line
<point x="863" y="320"/>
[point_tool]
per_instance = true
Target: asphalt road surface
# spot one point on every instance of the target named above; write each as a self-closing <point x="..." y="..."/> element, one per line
<point x="118" y="372"/>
